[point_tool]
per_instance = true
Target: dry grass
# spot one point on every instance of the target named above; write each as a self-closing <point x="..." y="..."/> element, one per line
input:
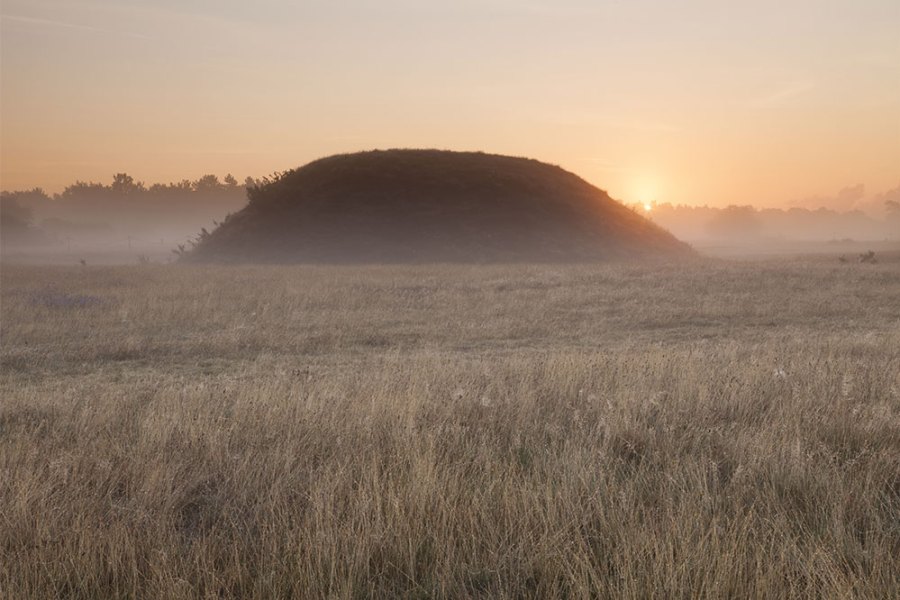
<point x="707" y="430"/>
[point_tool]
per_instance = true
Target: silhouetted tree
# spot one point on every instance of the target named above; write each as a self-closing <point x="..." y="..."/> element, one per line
<point x="207" y="183"/>
<point x="82" y="189"/>
<point x="124" y="185"/>
<point x="31" y="199"/>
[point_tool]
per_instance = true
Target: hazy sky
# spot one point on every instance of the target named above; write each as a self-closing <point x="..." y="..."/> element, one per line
<point x="694" y="101"/>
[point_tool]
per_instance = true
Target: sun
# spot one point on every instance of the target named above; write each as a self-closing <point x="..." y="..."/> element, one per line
<point x="645" y="191"/>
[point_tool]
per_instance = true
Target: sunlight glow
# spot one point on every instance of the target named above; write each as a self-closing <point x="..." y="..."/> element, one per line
<point x="645" y="190"/>
<point x="203" y="87"/>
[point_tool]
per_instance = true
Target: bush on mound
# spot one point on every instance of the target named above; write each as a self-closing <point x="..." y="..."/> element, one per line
<point x="431" y="206"/>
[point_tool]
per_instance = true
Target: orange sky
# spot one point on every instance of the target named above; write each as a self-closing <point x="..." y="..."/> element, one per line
<point x="697" y="102"/>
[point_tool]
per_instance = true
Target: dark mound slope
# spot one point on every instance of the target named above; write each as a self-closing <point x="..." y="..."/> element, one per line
<point x="430" y="205"/>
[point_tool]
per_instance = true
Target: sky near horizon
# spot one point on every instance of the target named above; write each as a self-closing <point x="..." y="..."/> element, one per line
<point x="770" y="103"/>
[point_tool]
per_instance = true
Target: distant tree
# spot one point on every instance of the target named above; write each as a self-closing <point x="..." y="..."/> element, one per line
<point x="12" y="213"/>
<point x="127" y="205"/>
<point x="29" y="199"/>
<point x="735" y="222"/>
<point x="207" y="183"/>
<point x="124" y="185"/>
<point x="16" y="216"/>
<point x="893" y="215"/>
<point x="82" y="189"/>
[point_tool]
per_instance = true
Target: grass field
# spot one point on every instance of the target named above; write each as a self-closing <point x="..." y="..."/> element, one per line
<point x="709" y="429"/>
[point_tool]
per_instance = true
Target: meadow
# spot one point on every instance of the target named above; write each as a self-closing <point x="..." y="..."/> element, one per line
<point x="702" y="429"/>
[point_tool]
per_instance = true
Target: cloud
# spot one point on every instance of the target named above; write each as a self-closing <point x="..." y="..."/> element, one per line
<point x="586" y="118"/>
<point x="605" y="164"/>
<point x="852" y="197"/>
<point x="66" y="25"/>
<point x="846" y="199"/>
<point x="879" y="201"/>
<point x="783" y="94"/>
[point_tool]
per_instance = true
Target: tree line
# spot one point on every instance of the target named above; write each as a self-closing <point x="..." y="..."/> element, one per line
<point x="747" y="223"/>
<point x="125" y="188"/>
<point x="124" y="205"/>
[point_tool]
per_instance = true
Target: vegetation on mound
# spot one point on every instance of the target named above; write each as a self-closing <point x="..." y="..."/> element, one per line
<point x="431" y="205"/>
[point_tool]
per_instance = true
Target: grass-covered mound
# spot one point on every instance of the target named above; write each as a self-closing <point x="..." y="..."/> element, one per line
<point x="431" y="205"/>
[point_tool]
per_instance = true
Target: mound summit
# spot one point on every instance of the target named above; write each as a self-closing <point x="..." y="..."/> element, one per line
<point x="400" y="206"/>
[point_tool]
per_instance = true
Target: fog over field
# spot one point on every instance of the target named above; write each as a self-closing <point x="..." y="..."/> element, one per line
<point x="127" y="220"/>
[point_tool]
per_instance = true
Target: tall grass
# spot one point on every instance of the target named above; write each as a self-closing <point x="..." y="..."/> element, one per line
<point x="706" y="430"/>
